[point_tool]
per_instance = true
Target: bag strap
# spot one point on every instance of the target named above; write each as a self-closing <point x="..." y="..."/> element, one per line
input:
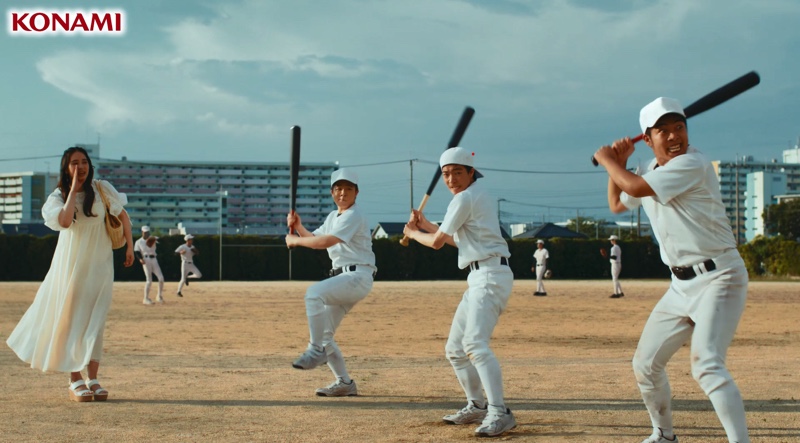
<point x="102" y="194"/>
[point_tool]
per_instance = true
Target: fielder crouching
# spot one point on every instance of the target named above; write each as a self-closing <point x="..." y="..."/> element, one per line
<point x="346" y="235"/>
<point x="471" y="224"/>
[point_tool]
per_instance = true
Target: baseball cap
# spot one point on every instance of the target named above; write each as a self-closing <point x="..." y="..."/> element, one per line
<point x="656" y="109"/>
<point x="539" y="241"/>
<point x="145" y="228"/>
<point x="188" y="237"/>
<point x="344" y="174"/>
<point x="613" y="237"/>
<point x="459" y="156"/>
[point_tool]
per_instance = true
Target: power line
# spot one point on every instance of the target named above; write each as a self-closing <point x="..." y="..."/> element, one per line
<point x="28" y="158"/>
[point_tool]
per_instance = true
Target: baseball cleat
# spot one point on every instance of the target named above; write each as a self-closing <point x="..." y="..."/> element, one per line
<point x="311" y="359"/>
<point x="147" y="301"/>
<point x="179" y="294"/>
<point x="620" y="295"/>
<point x="540" y="294"/>
<point x="496" y="423"/>
<point x="160" y="300"/>
<point x="659" y="438"/>
<point x="339" y="389"/>
<point x="470" y="414"/>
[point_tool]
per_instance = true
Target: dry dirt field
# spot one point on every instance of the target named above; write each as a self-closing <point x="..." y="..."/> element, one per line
<point x="215" y="366"/>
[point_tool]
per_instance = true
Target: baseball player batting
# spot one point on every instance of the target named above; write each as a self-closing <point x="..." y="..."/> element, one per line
<point x="471" y="225"/>
<point x="346" y="235"/>
<point x="145" y="251"/>
<point x="707" y="293"/>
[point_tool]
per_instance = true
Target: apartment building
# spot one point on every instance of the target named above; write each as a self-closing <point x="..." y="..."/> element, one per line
<point x="198" y="197"/>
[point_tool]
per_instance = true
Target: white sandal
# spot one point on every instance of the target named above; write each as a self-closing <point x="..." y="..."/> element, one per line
<point x="82" y="395"/>
<point x="101" y="394"/>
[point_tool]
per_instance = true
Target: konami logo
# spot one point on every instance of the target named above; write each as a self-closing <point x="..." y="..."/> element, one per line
<point x="39" y="22"/>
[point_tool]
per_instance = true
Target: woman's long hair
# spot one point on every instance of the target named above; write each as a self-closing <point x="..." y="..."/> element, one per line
<point x="65" y="180"/>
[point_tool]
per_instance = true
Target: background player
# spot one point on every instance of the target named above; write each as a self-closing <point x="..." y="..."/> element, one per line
<point x="707" y="293"/>
<point x="187" y="251"/>
<point x="145" y="251"/>
<point x="471" y="224"/>
<point x="614" y="256"/>
<point x="346" y="235"/>
<point x="540" y="266"/>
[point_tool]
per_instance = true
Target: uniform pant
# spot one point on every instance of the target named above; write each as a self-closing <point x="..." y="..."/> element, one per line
<point x="327" y="302"/>
<point x="616" y="268"/>
<point x="714" y="302"/>
<point x="540" y="278"/>
<point x="151" y="267"/>
<point x="467" y="348"/>
<point x="188" y="267"/>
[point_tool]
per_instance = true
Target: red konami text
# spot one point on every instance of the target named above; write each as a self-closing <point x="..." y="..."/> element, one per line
<point x="38" y="22"/>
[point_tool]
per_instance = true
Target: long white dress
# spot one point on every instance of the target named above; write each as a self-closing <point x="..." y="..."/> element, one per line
<point x="63" y="328"/>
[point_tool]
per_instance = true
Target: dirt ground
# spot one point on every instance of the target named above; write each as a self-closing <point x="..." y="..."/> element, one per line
<point x="215" y="366"/>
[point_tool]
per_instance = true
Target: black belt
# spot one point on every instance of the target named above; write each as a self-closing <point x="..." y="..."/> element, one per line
<point x="149" y="256"/>
<point x="688" y="272"/>
<point x="474" y="266"/>
<point x="539" y="264"/>
<point x="336" y="271"/>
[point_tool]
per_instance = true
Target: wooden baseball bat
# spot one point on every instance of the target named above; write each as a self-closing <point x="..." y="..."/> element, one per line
<point x="294" y="169"/>
<point x="455" y="139"/>
<point x="715" y="98"/>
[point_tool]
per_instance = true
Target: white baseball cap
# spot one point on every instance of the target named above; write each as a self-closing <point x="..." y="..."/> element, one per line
<point x="613" y="237"/>
<point x="459" y="156"/>
<point x="188" y="237"/>
<point x="344" y="174"/>
<point x="656" y="109"/>
<point x="145" y="228"/>
<point x="539" y="241"/>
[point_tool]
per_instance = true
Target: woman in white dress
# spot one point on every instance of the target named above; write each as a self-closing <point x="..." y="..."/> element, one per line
<point x="63" y="328"/>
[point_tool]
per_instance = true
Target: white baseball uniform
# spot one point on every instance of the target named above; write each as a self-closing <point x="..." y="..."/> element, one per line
<point x="150" y="267"/>
<point x="541" y="256"/>
<point x="472" y="221"/>
<point x="615" y="257"/>
<point x="689" y="222"/>
<point x="187" y="265"/>
<point x="328" y="301"/>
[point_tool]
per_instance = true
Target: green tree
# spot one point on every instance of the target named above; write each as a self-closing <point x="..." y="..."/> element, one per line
<point x="783" y="219"/>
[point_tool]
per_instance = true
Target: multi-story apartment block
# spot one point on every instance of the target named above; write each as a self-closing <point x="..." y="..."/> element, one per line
<point x="763" y="189"/>
<point x="200" y="197"/>
<point x="733" y="186"/>
<point x="22" y="195"/>
<point x="204" y="197"/>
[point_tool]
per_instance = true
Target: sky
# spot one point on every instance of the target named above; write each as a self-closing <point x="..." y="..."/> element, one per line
<point x="379" y="85"/>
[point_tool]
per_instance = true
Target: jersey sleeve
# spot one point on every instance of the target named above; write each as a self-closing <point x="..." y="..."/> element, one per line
<point x="630" y="202"/>
<point x="457" y="214"/>
<point x="676" y="177"/>
<point x="51" y="209"/>
<point x="180" y="249"/>
<point x="116" y="200"/>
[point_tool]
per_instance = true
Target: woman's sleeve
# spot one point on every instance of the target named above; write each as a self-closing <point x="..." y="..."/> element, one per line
<point x="116" y="200"/>
<point x="51" y="209"/>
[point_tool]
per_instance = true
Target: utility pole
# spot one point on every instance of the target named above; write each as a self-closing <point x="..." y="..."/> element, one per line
<point x="411" y="193"/>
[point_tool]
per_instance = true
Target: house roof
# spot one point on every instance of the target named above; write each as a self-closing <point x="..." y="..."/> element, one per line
<point x="550" y="230"/>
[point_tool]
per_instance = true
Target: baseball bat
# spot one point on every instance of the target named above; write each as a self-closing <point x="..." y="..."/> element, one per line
<point x="455" y="139"/>
<point x="294" y="169"/>
<point x="714" y="98"/>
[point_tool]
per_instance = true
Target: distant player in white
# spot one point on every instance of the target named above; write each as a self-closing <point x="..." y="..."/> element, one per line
<point x="471" y="224"/>
<point x="615" y="258"/>
<point x="346" y="236"/>
<point x="680" y="194"/>
<point x="187" y="251"/>
<point x="145" y="250"/>
<point x="540" y="255"/>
